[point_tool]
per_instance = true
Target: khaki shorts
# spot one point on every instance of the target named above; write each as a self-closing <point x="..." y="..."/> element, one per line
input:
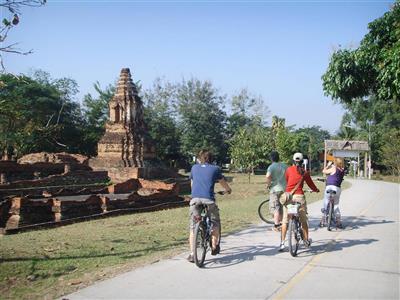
<point x="274" y="204"/>
<point x="194" y="211"/>
<point x="302" y="210"/>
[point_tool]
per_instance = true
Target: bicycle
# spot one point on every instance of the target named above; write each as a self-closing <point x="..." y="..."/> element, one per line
<point x="202" y="235"/>
<point x="264" y="212"/>
<point x="328" y="217"/>
<point x="295" y="230"/>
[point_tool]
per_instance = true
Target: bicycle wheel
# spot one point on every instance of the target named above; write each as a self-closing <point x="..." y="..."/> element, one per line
<point x="264" y="212"/>
<point x="200" y="244"/>
<point x="294" y="237"/>
<point x="330" y="215"/>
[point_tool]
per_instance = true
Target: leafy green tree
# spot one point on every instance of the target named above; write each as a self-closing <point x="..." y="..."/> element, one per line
<point x="247" y="110"/>
<point x="38" y="116"/>
<point x="391" y="151"/>
<point x="311" y="143"/>
<point x="371" y="69"/>
<point x="287" y="142"/>
<point x="366" y="80"/>
<point x="250" y="148"/>
<point x="95" y="116"/>
<point x="201" y="119"/>
<point x="160" y="119"/>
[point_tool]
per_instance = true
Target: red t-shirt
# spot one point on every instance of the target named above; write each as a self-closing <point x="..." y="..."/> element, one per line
<point x="293" y="177"/>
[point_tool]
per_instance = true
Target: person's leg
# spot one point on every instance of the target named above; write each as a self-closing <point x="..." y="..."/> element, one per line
<point x="303" y="217"/>
<point x="336" y="208"/>
<point x="191" y="235"/>
<point x="324" y="207"/>
<point x="193" y="213"/>
<point x="274" y="207"/>
<point x="284" y="227"/>
<point x="216" y="221"/>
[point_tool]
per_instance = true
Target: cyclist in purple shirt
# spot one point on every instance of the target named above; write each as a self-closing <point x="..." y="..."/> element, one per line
<point x="334" y="180"/>
<point x="203" y="178"/>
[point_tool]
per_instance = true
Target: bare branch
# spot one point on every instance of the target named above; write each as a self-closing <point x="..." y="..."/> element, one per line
<point x="13" y="6"/>
<point x="59" y="113"/>
<point x="48" y="122"/>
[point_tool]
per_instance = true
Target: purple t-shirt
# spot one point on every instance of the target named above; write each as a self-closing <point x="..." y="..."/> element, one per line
<point x="336" y="178"/>
<point x="204" y="177"/>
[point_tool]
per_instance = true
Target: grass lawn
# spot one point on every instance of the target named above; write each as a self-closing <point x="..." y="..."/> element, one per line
<point x="45" y="264"/>
<point x="388" y="178"/>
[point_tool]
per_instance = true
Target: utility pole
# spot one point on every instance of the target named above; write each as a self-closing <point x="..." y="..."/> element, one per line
<point x="369" y="152"/>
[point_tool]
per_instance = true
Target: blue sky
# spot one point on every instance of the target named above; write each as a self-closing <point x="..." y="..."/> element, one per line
<point x="276" y="49"/>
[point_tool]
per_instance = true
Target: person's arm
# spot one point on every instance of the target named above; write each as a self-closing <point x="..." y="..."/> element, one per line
<point x="225" y="185"/>
<point x="268" y="179"/>
<point x="329" y="169"/>
<point x="310" y="183"/>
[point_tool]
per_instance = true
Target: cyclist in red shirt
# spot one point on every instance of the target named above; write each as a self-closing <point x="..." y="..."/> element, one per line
<point x="294" y="175"/>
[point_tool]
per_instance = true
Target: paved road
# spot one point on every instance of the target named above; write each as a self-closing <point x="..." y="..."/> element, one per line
<point x="359" y="262"/>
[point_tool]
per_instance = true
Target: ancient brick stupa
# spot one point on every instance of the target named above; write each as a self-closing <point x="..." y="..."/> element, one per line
<point x="124" y="147"/>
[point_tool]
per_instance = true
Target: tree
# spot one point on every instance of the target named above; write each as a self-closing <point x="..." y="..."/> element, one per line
<point x="366" y="80"/>
<point x="14" y="10"/>
<point x="160" y="118"/>
<point x="247" y="110"/>
<point x="95" y="115"/>
<point x="38" y="115"/>
<point x="201" y="119"/>
<point x="391" y="151"/>
<point x="311" y="143"/>
<point x="250" y="147"/>
<point x="371" y="69"/>
<point x="286" y="143"/>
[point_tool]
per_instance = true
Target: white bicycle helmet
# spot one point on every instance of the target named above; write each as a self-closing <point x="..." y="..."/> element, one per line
<point x="298" y="156"/>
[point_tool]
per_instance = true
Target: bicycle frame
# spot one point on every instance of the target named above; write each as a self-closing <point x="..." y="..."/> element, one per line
<point x="329" y="211"/>
<point x="295" y="229"/>
<point x="203" y="231"/>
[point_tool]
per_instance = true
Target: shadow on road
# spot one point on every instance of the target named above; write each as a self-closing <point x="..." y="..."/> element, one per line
<point x="236" y="255"/>
<point x="351" y="223"/>
<point x="328" y="245"/>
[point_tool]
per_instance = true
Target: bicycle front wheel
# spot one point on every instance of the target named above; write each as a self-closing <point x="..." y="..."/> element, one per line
<point x="294" y="237"/>
<point x="200" y="244"/>
<point x="330" y="215"/>
<point x="264" y="212"/>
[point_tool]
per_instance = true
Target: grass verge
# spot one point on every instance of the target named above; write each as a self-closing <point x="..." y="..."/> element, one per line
<point x="46" y="264"/>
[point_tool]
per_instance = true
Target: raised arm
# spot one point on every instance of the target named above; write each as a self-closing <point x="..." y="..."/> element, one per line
<point x="329" y="169"/>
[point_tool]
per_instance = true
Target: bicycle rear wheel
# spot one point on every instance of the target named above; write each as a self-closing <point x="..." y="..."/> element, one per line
<point x="200" y="244"/>
<point x="264" y="212"/>
<point x="294" y="237"/>
<point x="330" y="215"/>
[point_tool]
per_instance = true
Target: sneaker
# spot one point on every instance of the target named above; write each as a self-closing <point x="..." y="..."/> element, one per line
<point x="282" y="247"/>
<point x="190" y="258"/>
<point x="339" y="225"/>
<point x="322" y="224"/>
<point x="216" y="250"/>
<point x="308" y="243"/>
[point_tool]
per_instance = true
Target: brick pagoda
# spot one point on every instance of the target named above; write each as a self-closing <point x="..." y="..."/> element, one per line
<point x="124" y="147"/>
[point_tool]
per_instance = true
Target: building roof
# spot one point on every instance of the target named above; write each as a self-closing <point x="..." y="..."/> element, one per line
<point x="347" y="145"/>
